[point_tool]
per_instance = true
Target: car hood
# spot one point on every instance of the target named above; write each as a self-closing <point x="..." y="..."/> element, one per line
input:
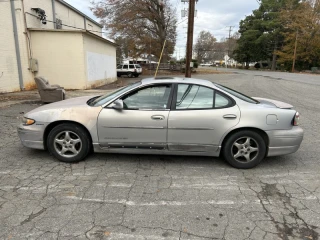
<point x="65" y="104"/>
<point x="275" y="103"/>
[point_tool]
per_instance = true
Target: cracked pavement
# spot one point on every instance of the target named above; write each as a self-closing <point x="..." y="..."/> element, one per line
<point x="111" y="196"/>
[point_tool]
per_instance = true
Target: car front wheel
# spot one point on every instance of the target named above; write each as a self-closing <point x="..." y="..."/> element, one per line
<point x="68" y="143"/>
<point x="244" y="149"/>
<point x="129" y="74"/>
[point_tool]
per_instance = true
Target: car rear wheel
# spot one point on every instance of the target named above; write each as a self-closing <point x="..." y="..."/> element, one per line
<point x="69" y="143"/>
<point x="118" y="75"/>
<point x="244" y="149"/>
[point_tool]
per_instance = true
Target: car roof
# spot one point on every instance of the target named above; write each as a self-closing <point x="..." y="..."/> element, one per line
<point x="147" y="81"/>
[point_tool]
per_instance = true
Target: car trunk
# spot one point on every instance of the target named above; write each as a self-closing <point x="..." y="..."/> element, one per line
<point x="275" y="103"/>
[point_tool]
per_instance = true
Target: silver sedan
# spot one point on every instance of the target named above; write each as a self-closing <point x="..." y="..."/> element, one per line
<point x="166" y="116"/>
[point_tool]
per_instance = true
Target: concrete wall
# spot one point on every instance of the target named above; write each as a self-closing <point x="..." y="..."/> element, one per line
<point x="33" y="22"/>
<point x="64" y="13"/>
<point x="60" y="56"/>
<point x="49" y="48"/>
<point x="9" y="77"/>
<point x="100" y="61"/>
<point x="91" y="26"/>
<point x="69" y="17"/>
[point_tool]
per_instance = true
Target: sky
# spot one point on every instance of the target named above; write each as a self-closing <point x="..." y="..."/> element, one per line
<point x="214" y="16"/>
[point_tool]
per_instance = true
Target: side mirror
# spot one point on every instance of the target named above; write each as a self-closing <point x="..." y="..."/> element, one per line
<point x="118" y="104"/>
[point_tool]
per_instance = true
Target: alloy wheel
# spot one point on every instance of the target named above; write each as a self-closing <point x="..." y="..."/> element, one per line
<point x="67" y="144"/>
<point x="245" y="149"/>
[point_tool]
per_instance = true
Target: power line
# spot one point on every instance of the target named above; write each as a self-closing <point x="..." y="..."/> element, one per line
<point x="66" y="24"/>
<point x="230" y="30"/>
<point x="182" y="21"/>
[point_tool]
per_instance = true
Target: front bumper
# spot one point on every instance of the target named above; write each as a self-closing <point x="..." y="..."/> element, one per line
<point x="282" y="142"/>
<point x="31" y="136"/>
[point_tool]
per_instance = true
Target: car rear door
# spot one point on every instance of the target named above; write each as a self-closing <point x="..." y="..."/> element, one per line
<point x="200" y="116"/>
<point x="125" y="68"/>
<point x="141" y="124"/>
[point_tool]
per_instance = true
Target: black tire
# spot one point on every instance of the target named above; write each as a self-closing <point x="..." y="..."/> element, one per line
<point x="118" y="75"/>
<point x="237" y="144"/>
<point x="129" y="74"/>
<point x="76" y="132"/>
<point x="136" y="75"/>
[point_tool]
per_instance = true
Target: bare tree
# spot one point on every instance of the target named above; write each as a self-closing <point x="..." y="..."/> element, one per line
<point x="145" y="23"/>
<point x="204" y="46"/>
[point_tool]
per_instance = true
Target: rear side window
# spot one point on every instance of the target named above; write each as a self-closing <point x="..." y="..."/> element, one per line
<point x="237" y="94"/>
<point x="199" y="97"/>
<point x="125" y="66"/>
<point x="194" y="97"/>
<point x="221" y="101"/>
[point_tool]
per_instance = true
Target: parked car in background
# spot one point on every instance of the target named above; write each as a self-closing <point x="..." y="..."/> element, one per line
<point x="130" y="70"/>
<point x="171" y="116"/>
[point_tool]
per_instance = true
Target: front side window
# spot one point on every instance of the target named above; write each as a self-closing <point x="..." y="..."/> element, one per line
<point x="194" y="97"/>
<point x="108" y="97"/>
<point x="131" y="66"/>
<point x="150" y="98"/>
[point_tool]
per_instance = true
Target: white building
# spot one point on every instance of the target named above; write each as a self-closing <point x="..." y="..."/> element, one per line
<point x="65" y="46"/>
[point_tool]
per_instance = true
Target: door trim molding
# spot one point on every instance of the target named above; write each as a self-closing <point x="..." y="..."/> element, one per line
<point x="192" y="147"/>
<point x="142" y="146"/>
<point x="136" y="127"/>
<point x="173" y="128"/>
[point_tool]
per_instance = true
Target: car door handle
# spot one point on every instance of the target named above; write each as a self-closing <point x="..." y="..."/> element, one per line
<point x="157" y="117"/>
<point x="229" y="116"/>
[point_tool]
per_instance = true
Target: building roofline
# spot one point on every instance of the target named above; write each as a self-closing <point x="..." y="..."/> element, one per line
<point x="88" y="32"/>
<point x="78" y="11"/>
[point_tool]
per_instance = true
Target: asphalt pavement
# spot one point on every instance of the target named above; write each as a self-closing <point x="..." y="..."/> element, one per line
<point x="111" y="196"/>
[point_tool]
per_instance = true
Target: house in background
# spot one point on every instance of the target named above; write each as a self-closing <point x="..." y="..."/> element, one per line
<point x="50" y="38"/>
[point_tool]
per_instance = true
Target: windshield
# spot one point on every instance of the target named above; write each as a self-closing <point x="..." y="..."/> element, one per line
<point x="106" y="98"/>
<point x="237" y="94"/>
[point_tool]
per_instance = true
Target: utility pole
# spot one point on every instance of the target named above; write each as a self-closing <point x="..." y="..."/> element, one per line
<point x="190" y="37"/>
<point x="295" y="52"/>
<point x="230" y="30"/>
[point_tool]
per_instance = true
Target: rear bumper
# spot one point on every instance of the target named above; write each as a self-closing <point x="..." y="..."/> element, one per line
<point x="31" y="136"/>
<point x="282" y="142"/>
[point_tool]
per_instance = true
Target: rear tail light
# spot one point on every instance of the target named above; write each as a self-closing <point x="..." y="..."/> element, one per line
<point x="296" y="119"/>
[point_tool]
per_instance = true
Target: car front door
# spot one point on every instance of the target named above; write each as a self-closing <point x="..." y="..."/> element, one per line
<point x="199" y="118"/>
<point x="141" y="124"/>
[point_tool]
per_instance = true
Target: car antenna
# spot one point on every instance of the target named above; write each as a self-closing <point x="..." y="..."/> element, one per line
<point x="164" y="44"/>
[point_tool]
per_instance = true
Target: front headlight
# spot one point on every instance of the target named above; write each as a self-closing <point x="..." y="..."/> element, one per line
<point x="27" y="121"/>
